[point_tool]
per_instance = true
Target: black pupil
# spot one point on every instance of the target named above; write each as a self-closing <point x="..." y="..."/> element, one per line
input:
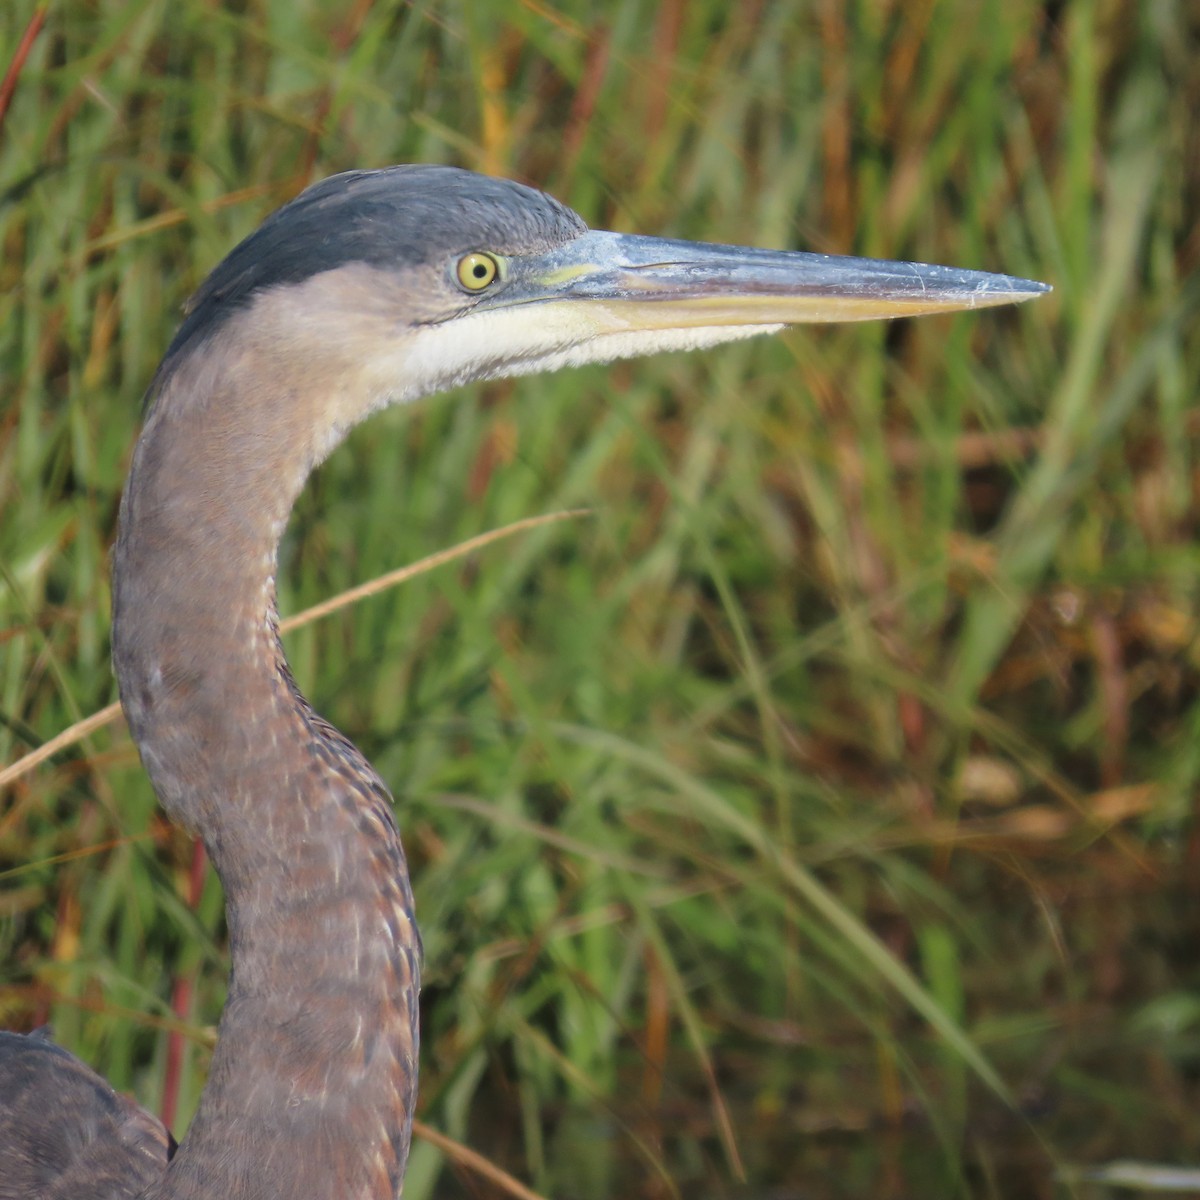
<point x="479" y="270"/>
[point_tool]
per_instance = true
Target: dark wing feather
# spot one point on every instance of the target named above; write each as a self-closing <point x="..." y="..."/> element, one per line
<point x="65" y="1134"/>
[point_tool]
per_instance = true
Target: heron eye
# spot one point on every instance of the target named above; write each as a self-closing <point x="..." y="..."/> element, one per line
<point x="477" y="271"/>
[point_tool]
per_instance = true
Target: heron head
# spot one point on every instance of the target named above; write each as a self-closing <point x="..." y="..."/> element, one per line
<point x="379" y="286"/>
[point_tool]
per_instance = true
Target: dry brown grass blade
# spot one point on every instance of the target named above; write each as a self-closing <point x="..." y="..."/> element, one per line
<point x="475" y="1162"/>
<point x="77" y="732"/>
<point x="68" y="737"/>
<point x="8" y="85"/>
<point x="428" y="563"/>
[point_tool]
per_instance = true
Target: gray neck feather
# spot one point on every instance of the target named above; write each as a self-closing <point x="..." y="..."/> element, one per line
<point x="313" y="1080"/>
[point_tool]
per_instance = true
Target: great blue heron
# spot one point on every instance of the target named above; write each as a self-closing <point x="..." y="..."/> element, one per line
<point x="371" y="288"/>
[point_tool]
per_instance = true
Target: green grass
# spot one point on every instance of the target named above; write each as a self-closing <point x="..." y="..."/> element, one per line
<point x="817" y="812"/>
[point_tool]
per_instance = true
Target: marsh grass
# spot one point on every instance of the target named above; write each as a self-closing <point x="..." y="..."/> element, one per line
<point x="815" y="814"/>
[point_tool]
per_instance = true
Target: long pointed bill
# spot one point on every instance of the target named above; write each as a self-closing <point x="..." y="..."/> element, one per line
<point x="657" y="283"/>
<point x="604" y="296"/>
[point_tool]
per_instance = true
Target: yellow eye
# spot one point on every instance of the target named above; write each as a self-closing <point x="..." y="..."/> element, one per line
<point x="477" y="271"/>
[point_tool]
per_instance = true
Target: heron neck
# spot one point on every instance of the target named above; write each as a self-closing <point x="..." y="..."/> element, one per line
<point x="313" y="1079"/>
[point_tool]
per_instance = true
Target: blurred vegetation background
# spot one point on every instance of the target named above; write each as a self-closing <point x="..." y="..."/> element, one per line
<point x="816" y="816"/>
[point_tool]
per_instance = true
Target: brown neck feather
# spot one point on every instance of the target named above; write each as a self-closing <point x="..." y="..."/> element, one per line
<point x="314" y="1077"/>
